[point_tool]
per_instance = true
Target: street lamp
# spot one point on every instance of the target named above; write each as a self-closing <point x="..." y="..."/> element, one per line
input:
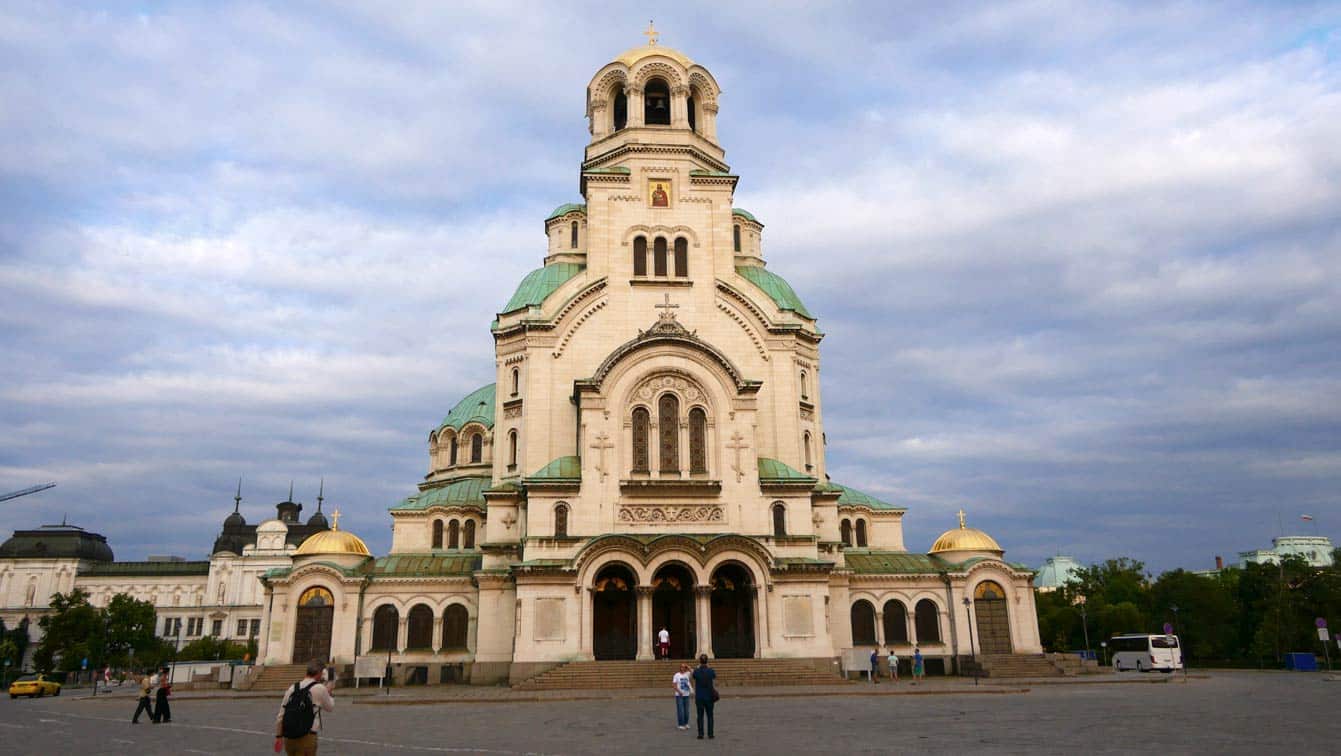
<point x="1085" y="626"/>
<point x="972" y="650"/>
<point x="1182" y="650"/>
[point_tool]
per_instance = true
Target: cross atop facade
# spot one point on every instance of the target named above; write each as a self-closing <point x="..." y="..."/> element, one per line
<point x="961" y="519"/>
<point x="335" y="520"/>
<point x="651" y="35"/>
<point x="667" y="307"/>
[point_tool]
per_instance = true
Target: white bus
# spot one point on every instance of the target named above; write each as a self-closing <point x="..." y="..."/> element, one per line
<point x="1144" y="653"/>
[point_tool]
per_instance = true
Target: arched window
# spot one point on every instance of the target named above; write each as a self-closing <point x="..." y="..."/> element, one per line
<point x="928" y="621"/>
<point x="735" y="237"/>
<point x="451" y="453"/>
<point x="572" y="235"/>
<point x="454" y="535"/>
<point x="455" y="627"/>
<point x="620" y="110"/>
<point x="809" y="462"/>
<point x="476" y="448"/>
<point x="698" y="440"/>
<point x="681" y="257"/>
<point x="863" y="624"/>
<point x="516" y="381"/>
<point x="419" y="628"/>
<point x="896" y="622"/>
<point x="561" y="521"/>
<point x="693" y="117"/>
<point x="779" y="520"/>
<point x="805" y="385"/>
<point x="845" y="532"/>
<point x="640" y="256"/>
<point x="641" y="430"/>
<point x="386" y="625"/>
<point x="512" y="449"/>
<point x="656" y="103"/>
<point x="668" y="427"/>
<point x="468" y="537"/>
<point x="659" y="257"/>
<point x="861" y="534"/>
<point x="437" y="534"/>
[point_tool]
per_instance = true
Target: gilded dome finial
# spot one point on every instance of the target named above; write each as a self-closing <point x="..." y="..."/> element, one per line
<point x="961" y="519"/>
<point x="651" y="35"/>
<point x="335" y="520"/>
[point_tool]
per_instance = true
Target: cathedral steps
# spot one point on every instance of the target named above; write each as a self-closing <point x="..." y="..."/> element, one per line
<point x="1018" y="665"/>
<point x="604" y="675"/>
<point x="279" y="676"/>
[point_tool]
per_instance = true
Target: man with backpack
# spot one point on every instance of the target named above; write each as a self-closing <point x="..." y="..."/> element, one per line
<point x="299" y="716"/>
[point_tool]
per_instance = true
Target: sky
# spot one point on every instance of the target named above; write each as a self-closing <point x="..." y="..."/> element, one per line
<point x="1078" y="264"/>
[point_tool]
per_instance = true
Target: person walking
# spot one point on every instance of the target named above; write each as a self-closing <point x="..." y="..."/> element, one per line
<point x="893" y="664"/>
<point x="162" y="711"/>
<point x="875" y="666"/>
<point x="299" y="718"/>
<point x="705" y="693"/>
<point x="918" y="667"/>
<point x="684" y="688"/>
<point x="146" y="687"/>
<point x="663" y="639"/>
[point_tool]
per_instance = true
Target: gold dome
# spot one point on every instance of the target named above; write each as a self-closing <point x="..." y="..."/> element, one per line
<point x="964" y="538"/>
<point x="333" y="541"/>
<point x="629" y="57"/>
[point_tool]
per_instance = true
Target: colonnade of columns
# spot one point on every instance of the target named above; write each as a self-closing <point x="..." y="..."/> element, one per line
<point x="603" y="108"/>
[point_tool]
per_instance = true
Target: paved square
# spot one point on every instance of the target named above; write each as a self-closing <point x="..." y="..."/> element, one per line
<point x="1227" y="712"/>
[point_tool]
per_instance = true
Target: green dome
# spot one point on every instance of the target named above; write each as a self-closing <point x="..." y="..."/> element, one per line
<point x="775" y="287"/>
<point x="566" y="208"/>
<point x="539" y="284"/>
<point x="478" y="406"/>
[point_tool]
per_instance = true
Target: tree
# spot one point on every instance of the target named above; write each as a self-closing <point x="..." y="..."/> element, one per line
<point x="130" y="627"/>
<point x="1206" y="616"/>
<point x="210" y="647"/>
<point x="75" y="630"/>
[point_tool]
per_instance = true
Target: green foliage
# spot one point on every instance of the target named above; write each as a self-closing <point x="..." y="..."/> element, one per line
<point x="210" y="647"/>
<point x="76" y="630"/>
<point x="1240" y="616"/>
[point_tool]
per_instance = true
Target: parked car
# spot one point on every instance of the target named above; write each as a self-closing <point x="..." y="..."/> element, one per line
<point x="34" y="686"/>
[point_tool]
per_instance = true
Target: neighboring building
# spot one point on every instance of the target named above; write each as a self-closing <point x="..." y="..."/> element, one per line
<point x="650" y="454"/>
<point x="1056" y="572"/>
<point x="1316" y="550"/>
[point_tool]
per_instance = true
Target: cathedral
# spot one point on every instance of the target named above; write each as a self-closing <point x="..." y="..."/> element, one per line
<point x="651" y="454"/>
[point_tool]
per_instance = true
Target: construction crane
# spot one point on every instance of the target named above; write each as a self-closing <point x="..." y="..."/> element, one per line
<point x="26" y="491"/>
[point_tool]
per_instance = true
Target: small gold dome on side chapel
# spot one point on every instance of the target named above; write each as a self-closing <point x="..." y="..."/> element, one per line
<point x="333" y="541"/>
<point x="964" y="538"/>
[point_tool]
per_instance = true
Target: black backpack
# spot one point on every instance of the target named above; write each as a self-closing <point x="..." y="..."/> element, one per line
<point x="299" y="712"/>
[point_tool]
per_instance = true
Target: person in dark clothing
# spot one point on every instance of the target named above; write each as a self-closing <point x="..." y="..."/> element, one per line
<point x="163" y="712"/>
<point x="705" y="693"/>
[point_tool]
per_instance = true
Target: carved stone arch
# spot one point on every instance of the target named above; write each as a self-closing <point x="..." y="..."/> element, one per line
<point x="727" y="544"/>
<point x="603" y="84"/>
<point x="683" y="384"/>
<point x="634" y="549"/>
<point x="655" y="68"/>
<point x="703" y="81"/>
<point x="684" y="344"/>
<point x="669" y="232"/>
<point x="746" y="324"/>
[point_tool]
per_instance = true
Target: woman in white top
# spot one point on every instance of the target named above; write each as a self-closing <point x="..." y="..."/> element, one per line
<point x="684" y="690"/>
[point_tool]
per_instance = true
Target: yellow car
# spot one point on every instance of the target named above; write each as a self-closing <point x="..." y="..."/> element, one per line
<point x="34" y="685"/>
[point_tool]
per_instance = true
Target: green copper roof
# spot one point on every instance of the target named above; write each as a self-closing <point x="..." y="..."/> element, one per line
<point x="466" y="492"/>
<point x="539" y="284"/>
<point x="865" y="562"/>
<point x="478" y="406"/>
<point x="618" y="170"/>
<point x="425" y="565"/>
<point x="566" y="208"/>
<point x="854" y="498"/>
<point x="705" y="172"/>
<point x="775" y="287"/>
<point x="773" y="471"/>
<point x="746" y="214"/>
<point x="563" y="468"/>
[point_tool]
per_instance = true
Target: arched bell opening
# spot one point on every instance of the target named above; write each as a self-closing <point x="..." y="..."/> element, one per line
<point x="620" y="109"/>
<point x="656" y="103"/>
<point x="614" y="613"/>
<point x="673" y="609"/>
<point x="732" y="610"/>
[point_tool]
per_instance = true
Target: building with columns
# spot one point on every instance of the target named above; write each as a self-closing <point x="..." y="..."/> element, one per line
<point x="651" y="454"/>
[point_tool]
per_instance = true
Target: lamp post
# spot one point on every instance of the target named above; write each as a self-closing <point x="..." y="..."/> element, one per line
<point x="1182" y="650"/>
<point x="973" y="651"/>
<point x="1085" y="627"/>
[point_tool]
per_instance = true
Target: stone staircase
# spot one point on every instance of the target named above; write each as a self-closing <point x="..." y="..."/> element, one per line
<point x="1017" y="665"/>
<point x="731" y="673"/>
<point x="279" y="676"/>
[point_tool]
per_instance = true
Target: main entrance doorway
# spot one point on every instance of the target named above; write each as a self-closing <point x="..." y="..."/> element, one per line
<point x="614" y="615"/>
<point x="989" y="603"/>
<point x="732" y="613"/>
<point x="673" y="609"/>
<point x="312" y="636"/>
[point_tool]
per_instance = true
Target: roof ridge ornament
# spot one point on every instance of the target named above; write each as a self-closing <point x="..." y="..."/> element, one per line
<point x="237" y="497"/>
<point x="651" y="35"/>
<point x="961" y="519"/>
<point x="321" y="490"/>
<point x="335" y="520"/>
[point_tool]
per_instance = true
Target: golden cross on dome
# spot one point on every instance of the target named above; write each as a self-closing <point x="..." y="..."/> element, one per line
<point x="335" y="520"/>
<point x="651" y="35"/>
<point x="961" y="519"/>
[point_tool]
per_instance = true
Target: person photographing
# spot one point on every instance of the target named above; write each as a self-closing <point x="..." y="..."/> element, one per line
<point x="299" y="718"/>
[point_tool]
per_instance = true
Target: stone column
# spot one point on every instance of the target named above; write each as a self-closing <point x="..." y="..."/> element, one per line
<point x="585" y="631"/>
<point x="645" y="622"/>
<point x="436" y="640"/>
<point x="402" y="636"/>
<point x="708" y="112"/>
<point x="761" y="642"/>
<point x="680" y="107"/>
<point x="879" y="628"/>
<point x="703" y="619"/>
<point x="635" y="105"/>
<point x="600" y="117"/>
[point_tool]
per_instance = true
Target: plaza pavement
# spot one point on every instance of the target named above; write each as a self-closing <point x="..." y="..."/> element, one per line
<point x="1215" y="712"/>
